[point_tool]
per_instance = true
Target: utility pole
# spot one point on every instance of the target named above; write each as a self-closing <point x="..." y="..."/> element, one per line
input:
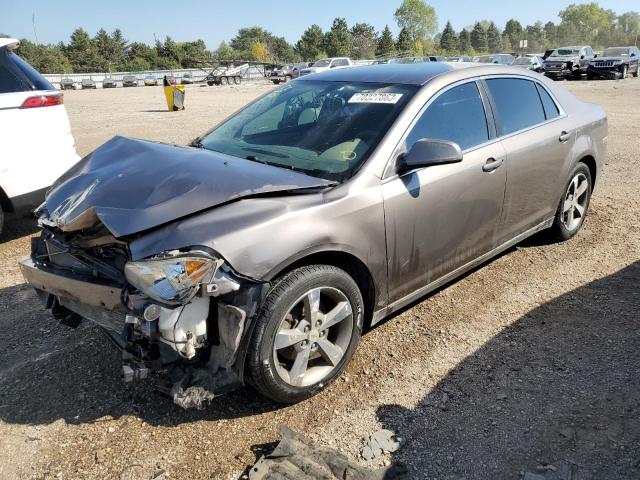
<point x="33" y="22"/>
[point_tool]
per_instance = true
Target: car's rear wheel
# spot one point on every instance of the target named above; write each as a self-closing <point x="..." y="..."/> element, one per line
<point x="306" y="333"/>
<point x="574" y="204"/>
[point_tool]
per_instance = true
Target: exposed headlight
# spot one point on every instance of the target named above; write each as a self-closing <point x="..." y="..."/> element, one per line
<point x="174" y="278"/>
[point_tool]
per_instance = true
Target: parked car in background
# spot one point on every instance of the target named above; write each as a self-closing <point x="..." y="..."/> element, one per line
<point x="37" y="145"/>
<point x="326" y="64"/>
<point x="496" y="59"/>
<point x="87" y="83"/>
<point x="530" y="62"/>
<point x="261" y="252"/>
<point x="568" y="62"/>
<point x="151" y="81"/>
<point x="283" y="73"/>
<point x="615" y="62"/>
<point x="109" y="82"/>
<point x="405" y="60"/>
<point x="67" y="84"/>
<point x="463" y="58"/>
<point x="129" y="81"/>
<point x="186" y="79"/>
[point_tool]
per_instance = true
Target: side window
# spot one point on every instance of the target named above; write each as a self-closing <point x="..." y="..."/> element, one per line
<point x="341" y="62"/>
<point x="517" y="103"/>
<point x="550" y="107"/>
<point x="9" y="82"/>
<point x="456" y="115"/>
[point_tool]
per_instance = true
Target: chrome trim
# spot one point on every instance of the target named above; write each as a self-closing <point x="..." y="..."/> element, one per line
<point x="403" y="302"/>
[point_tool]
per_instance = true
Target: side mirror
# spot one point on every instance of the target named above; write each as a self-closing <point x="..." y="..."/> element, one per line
<point x="632" y="54"/>
<point x="333" y="66"/>
<point x="581" y="57"/>
<point x="428" y="152"/>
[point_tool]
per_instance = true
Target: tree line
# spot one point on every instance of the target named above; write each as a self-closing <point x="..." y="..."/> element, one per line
<point x="418" y="35"/>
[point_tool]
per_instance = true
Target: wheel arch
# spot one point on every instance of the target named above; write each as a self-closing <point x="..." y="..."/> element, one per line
<point x="5" y="203"/>
<point x="590" y="162"/>
<point x="347" y="261"/>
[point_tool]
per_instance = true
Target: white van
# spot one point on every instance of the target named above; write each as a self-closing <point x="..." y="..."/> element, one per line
<point x="36" y="145"/>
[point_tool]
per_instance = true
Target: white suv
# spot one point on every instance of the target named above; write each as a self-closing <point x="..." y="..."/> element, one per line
<point x="326" y="64"/>
<point x="36" y="145"/>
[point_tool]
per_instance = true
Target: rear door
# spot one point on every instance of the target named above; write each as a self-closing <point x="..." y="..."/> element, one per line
<point x="538" y="141"/>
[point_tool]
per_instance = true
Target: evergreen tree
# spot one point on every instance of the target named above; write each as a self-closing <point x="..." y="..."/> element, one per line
<point x="311" y="44"/>
<point x="479" y="38"/>
<point x="494" y="39"/>
<point x="464" y="41"/>
<point x="386" y="45"/>
<point x="82" y="53"/>
<point x="338" y="40"/>
<point x="404" y="44"/>
<point x="449" y="39"/>
<point x="364" y="41"/>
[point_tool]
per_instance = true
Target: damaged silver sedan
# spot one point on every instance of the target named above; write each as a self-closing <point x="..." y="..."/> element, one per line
<point x="260" y="252"/>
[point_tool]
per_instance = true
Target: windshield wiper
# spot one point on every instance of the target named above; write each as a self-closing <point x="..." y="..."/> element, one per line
<point x="266" y="152"/>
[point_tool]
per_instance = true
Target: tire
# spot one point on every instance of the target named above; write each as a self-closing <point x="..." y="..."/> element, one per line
<point x="282" y="316"/>
<point x="625" y="69"/>
<point x="635" y="74"/>
<point x="224" y="80"/>
<point x="237" y="80"/>
<point x="563" y="229"/>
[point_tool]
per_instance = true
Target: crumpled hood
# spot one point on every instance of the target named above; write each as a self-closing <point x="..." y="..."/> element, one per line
<point x="132" y="185"/>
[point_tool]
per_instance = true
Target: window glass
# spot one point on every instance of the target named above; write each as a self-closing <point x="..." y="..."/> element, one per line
<point x="323" y="129"/>
<point x="8" y="81"/>
<point x="550" y="107"/>
<point x="37" y="80"/>
<point x="456" y="115"/>
<point x="517" y="103"/>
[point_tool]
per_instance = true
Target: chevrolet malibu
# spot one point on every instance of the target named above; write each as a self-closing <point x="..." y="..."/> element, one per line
<point x="259" y="253"/>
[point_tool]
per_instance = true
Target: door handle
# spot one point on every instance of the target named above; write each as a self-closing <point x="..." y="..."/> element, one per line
<point x="491" y="165"/>
<point x="564" y="136"/>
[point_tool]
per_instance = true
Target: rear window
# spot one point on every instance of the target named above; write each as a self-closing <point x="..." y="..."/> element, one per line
<point x="37" y="81"/>
<point x="550" y="107"/>
<point x="517" y="102"/>
<point x="9" y="81"/>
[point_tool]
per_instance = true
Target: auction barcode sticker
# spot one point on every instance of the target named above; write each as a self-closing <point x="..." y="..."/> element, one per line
<point x="375" y="97"/>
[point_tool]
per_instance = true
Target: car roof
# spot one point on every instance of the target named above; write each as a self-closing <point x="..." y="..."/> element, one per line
<point x="4" y="42"/>
<point x="404" y="73"/>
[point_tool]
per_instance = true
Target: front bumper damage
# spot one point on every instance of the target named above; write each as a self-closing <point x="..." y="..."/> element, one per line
<point x="605" y="73"/>
<point x="197" y="348"/>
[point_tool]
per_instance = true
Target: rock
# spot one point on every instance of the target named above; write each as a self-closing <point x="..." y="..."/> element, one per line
<point x="380" y="442"/>
<point x="111" y="429"/>
<point x="100" y="456"/>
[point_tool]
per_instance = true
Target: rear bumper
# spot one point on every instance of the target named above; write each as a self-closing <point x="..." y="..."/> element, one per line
<point x="64" y="287"/>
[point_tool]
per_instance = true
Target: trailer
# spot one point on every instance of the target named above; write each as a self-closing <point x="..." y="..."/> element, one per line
<point x="232" y="72"/>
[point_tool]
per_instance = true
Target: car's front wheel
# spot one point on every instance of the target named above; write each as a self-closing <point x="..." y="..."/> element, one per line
<point x="574" y="204"/>
<point x="306" y="333"/>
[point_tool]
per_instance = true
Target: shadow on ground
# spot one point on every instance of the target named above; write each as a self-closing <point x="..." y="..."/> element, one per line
<point x="556" y="394"/>
<point x="49" y="372"/>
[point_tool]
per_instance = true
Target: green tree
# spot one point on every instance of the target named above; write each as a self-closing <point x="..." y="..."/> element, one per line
<point x="418" y="18"/>
<point x="83" y="53"/>
<point x="44" y="58"/>
<point x="551" y="33"/>
<point x="449" y="39"/>
<point x="225" y="52"/>
<point x="404" y="44"/>
<point x="494" y="39"/>
<point x="247" y="37"/>
<point x="464" y="41"/>
<point x="513" y="30"/>
<point x="589" y="19"/>
<point x="364" y="41"/>
<point x="311" y="44"/>
<point x="338" y="40"/>
<point x="281" y="50"/>
<point x="192" y="52"/>
<point x="386" y="45"/>
<point x="479" y="38"/>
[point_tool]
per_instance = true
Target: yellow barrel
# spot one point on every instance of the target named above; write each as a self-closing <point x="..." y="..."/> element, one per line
<point x="175" y="97"/>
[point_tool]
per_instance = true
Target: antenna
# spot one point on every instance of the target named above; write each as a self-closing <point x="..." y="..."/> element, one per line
<point x="33" y="22"/>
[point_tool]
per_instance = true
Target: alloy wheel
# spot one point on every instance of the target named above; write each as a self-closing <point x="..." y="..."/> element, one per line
<point x="574" y="207"/>
<point x="313" y="337"/>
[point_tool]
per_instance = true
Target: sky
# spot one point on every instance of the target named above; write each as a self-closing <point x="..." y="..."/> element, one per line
<point x="214" y="20"/>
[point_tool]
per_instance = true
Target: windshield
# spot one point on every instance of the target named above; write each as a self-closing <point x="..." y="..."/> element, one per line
<point x="615" y="52"/>
<point x="522" y="61"/>
<point x="322" y="63"/>
<point x="323" y="129"/>
<point x="564" y="52"/>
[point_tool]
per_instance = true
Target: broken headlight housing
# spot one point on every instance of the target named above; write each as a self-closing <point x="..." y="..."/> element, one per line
<point x="173" y="278"/>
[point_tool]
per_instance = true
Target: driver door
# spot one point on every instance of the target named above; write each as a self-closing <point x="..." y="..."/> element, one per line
<point x="440" y="218"/>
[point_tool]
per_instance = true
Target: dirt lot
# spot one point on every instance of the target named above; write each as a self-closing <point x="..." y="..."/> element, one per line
<point x="528" y="365"/>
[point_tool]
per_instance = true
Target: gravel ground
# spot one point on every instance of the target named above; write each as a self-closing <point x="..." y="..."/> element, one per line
<point x="526" y="366"/>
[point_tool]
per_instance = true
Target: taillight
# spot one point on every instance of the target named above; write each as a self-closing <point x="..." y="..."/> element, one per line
<point x="43" y="101"/>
